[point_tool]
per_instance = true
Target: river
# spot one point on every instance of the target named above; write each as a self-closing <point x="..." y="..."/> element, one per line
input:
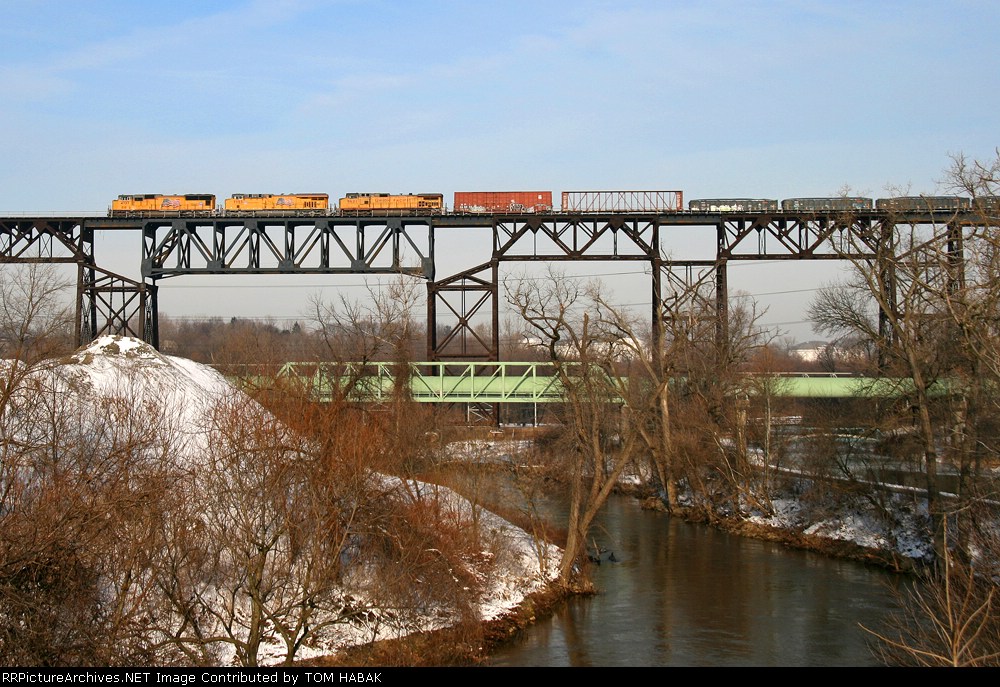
<point x="689" y="595"/>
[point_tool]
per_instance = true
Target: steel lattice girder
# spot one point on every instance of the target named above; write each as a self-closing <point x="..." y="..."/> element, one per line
<point x="40" y="240"/>
<point x="463" y="297"/>
<point x="536" y="382"/>
<point x="355" y="245"/>
<point x="798" y="237"/>
<point x="613" y="237"/>
<point x="113" y="304"/>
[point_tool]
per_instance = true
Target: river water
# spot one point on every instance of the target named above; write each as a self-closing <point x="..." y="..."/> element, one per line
<point x="689" y="595"/>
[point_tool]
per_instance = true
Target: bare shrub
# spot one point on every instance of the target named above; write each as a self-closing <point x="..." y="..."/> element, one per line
<point x="947" y="619"/>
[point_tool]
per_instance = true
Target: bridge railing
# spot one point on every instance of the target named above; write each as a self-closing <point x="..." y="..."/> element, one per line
<point x="430" y="382"/>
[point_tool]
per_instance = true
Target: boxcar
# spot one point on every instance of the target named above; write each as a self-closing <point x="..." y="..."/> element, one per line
<point x="733" y="205"/>
<point x="286" y="203"/>
<point x="836" y="204"/>
<point x="919" y="203"/>
<point x="502" y="201"/>
<point x="189" y="204"/>
<point x="387" y="203"/>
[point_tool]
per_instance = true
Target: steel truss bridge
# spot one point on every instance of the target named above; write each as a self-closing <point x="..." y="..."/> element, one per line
<point x="462" y="308"/>
<point x="487" y="383"/>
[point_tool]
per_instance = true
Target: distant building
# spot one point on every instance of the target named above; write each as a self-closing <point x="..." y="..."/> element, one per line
<point x="810" y="351"/>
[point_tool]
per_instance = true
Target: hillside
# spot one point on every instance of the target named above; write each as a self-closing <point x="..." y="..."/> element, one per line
<point x="229" y="539"/>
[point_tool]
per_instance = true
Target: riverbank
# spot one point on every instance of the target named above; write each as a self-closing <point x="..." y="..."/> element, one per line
<point x="680" y="594"/>
<point x="838" y="526"/>
<point x="891" y="533"/>
<point x="468" y="644"/>
<point x="796" y="536"/>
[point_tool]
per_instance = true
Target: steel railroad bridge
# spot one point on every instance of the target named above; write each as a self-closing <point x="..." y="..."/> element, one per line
<point x="487" y="383"/>
<point x="463" y="308"/>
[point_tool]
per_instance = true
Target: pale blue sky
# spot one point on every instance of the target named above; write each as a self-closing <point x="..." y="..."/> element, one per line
<point x="768" y="99"/>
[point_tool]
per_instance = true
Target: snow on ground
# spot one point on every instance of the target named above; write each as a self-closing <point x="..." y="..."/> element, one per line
<point x="134" y="373"/>
<point x="110" y="361"/>
<point x="525" y="566"/>
<point x="187" y="391"/>
<point x="486" y="451"/>
<point x="178" y="392"/>
<point x="900" y="527"/>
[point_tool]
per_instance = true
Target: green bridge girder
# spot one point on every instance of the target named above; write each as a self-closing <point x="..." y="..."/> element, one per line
<point x="534" y="382"/>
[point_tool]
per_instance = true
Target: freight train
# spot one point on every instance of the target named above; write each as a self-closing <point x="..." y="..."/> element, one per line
<point x="505" y="202"/>
<point x="318" y="204"/>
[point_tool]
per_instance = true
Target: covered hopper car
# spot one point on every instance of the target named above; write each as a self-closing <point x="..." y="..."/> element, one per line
<point x="835" y="204"/>
<point x="988" y="204"/>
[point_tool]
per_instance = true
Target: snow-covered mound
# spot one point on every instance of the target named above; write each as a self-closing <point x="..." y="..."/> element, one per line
<point x="121" y="394"/>
<point x="113" y="364"/>
<point x="120" y="378"/>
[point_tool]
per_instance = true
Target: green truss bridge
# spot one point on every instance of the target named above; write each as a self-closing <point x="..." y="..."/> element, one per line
<point x="527" y="382"/>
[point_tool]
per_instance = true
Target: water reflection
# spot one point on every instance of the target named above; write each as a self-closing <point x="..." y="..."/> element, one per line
<point x="688" y="595"/>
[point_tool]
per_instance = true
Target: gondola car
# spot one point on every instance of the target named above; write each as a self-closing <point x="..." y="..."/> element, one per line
<point x="987" y="204"/>
<point x="155" y="204"/>
<point x="835" y="204"/>
<point x="927" y="203"/>
<point x="387" y="203"/>
<point x="240" y="204"/>
<point x="733" y="205"/>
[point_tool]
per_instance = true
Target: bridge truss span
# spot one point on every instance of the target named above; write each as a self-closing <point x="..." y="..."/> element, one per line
<point x="784" y="236"/>
<point x="288" y="245"/>
<point x="105" y="303"/>
<point x="575" y="237"/>
<point x="463" y="308"/>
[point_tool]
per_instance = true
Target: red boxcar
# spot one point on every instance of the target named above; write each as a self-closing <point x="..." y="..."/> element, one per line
<point x="503" y="201"/>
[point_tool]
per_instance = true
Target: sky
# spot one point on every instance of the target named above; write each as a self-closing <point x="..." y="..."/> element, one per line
<point x="769" y="99"/>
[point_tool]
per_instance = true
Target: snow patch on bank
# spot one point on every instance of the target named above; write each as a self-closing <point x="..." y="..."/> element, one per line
<point x="118" y="376"/>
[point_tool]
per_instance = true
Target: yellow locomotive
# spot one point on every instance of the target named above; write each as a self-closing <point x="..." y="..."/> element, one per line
<point x="267" y="203"/>
<point x="264" y="204"/>
<point x="386" y="203"/>
<point x="153" y="204"/>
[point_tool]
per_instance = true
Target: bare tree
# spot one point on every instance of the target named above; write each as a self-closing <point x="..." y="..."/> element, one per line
<point x="36" y="316"/>
<point x="947" y="620"/>
<point x="79" y="492"/>
<point x="354" y="333"/>
<point x="256" y="551"/>
<point x="85" y="482"/>
<point x="895" y="300"/>
<point x="552" y="310"/>
<point x="383" y="329"/>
